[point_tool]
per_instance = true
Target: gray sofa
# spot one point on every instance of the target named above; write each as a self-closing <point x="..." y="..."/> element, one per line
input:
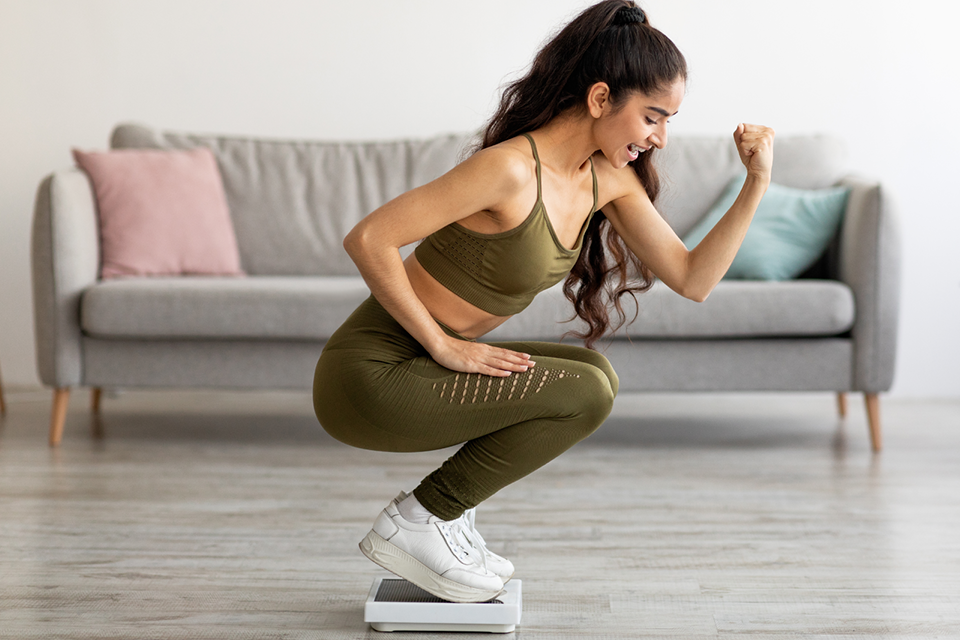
<point x="292" y="202"/>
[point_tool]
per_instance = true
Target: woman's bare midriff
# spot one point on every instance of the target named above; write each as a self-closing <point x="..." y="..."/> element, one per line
<point x="446" y="306"/>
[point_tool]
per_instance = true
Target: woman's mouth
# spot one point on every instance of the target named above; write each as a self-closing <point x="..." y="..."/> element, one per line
<point x="635" y="151"/>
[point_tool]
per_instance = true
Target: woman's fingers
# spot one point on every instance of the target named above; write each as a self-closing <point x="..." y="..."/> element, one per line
<point x="477" y="357"/>
<point x="507" y="360"/>
<point x="755" y="146"/>
<point x="503" y="368"/>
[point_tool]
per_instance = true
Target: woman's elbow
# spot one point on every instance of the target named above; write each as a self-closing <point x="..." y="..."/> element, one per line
<point x="356" y="242"/>
<point x="367" y="247"/>
<point x="700" y="297"/>
<point x="697" y="293"/>
<point x="690" y="282"/>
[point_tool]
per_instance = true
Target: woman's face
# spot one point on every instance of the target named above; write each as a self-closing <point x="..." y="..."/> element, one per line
<point x="637" y="123"/>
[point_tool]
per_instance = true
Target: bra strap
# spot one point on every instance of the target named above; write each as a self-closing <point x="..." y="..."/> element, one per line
<point x="596" y="190"/>
<point x="536" y="157"/>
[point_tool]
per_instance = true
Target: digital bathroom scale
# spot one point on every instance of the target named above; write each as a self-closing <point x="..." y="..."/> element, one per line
<point x="397" y="605"/>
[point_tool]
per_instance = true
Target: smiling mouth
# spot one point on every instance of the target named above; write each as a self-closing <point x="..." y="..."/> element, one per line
<point x="635" y="150"/>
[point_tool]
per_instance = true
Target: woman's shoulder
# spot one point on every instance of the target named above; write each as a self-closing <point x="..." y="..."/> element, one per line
<point x="506" y="165"/>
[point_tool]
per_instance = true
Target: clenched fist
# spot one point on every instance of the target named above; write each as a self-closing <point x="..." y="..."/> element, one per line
<point x="755" y="145"/>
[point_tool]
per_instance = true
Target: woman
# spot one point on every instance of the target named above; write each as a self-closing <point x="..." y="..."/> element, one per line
<point x="563" y="177"/>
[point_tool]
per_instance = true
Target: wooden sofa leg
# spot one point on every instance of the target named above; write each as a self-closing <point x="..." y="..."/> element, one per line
<point x="842" y="404"/>
<point x="873" y="418"/>
<point x="3" y="403"/>
<point x="95" y="394"/>
<point x="96" y="426"/>
<point x="61" y="397"/>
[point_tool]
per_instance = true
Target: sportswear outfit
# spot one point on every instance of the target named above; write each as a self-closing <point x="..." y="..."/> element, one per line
<point x="377" y="388"/>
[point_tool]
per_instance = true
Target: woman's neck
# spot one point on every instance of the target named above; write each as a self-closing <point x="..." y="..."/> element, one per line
<point x="566" y="143"/>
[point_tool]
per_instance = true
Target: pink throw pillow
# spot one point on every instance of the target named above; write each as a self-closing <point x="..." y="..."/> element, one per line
<point x="161" y="213"/>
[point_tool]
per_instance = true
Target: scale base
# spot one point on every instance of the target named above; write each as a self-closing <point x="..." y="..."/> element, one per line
<point x="397" y="605"/>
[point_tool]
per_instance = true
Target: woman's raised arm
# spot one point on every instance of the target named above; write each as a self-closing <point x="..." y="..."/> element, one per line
<point x="693" y="273"/>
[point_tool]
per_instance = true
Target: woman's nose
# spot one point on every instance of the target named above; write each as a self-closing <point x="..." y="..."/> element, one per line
<point x="659" y="137"/>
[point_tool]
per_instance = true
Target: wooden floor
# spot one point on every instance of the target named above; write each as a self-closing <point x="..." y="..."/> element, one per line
<point x="203" y="515"/>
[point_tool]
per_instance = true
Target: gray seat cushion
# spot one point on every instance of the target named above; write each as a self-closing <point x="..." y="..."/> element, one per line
<point x="743" y="309"/>
<point x="312" y="308"/>
<point x="262" y="307"/>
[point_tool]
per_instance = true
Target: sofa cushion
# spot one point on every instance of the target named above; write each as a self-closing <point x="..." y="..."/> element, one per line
<point x="161" y="213"/>
<point x="261" y="307"/>
<point x="791" y="229"/>
<point x="735" y="309"/>
<point x="312" y="308"/>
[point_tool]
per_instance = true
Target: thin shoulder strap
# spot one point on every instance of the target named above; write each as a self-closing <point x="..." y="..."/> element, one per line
<point x="536" y="157"/>
<point x="596" y="191"/>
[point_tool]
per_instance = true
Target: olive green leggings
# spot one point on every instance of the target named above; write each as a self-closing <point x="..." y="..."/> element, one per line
<point x="377" y="388"/>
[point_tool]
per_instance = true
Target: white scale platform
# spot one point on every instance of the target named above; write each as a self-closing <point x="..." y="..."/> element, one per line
<point x="397" y="605"/>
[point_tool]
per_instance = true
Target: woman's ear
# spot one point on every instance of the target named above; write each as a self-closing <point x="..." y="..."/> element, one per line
<point x="598" y="99"/>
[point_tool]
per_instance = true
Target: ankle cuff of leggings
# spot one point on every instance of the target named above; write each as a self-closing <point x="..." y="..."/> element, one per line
<point x="436" y="502"/>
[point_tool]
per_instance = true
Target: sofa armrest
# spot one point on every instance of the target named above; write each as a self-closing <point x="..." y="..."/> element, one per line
<point x="870" y="264"/>
<point x="65" y="257"/>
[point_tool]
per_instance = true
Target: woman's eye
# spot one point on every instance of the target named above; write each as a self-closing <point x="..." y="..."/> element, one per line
<point x="649" y="121"/>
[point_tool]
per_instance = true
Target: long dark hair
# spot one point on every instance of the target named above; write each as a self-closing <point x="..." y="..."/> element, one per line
<point x="610" y="42"/>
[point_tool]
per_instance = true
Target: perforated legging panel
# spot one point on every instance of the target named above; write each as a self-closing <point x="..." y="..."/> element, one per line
<point x="475" y="387"/>
<point x="377" y="388"/>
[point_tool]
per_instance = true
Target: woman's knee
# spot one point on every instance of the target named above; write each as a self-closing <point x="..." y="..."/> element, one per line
<point x="594" y="400"/>
<point x="600" y="361"/>
<point x="612" y="378"/>
<point x="606" y="392"/>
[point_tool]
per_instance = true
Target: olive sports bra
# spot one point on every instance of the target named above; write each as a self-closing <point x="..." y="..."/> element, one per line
<point x="502" y="272"/>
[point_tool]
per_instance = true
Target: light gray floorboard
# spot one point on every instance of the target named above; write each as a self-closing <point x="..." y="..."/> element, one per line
<point x="217" y="515"/>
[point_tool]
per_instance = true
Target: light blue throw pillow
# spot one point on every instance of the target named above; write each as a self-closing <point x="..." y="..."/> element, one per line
<point x="791" y="229"/>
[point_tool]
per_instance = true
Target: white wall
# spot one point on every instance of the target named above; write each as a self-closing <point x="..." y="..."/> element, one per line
<point x="880" y="74"/>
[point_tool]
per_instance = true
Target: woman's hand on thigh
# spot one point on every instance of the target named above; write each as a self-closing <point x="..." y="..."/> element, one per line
<point x="477" y="357"/>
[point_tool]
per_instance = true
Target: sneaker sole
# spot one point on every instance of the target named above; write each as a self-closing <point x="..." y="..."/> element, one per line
<point x="399" y="562"/>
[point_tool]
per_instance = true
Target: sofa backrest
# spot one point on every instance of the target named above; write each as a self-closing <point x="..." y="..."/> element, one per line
<point x="694" y="171"/>
<point x="292" y="202"/>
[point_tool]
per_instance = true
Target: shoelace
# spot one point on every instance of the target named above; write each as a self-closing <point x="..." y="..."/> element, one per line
<point x="462" y="539"/>
<point x="473" y="536"/>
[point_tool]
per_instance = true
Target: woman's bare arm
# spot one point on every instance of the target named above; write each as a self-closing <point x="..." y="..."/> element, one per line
<point x="483" y="182"/>
<point x="693" y="274"/>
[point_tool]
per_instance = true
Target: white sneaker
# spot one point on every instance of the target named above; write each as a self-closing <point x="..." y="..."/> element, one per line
<point x="498" y="564"/>
<point x="436" y="556"/>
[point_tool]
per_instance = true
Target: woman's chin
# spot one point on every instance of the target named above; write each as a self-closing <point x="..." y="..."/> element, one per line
<point x="630" y="157"/>
<point x="620" y="160"/>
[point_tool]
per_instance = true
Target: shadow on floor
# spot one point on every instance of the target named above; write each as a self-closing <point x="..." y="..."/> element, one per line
<point x="652" y="432"/>
<point x="757" y="432"/>
<point x="237" y="428"/>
